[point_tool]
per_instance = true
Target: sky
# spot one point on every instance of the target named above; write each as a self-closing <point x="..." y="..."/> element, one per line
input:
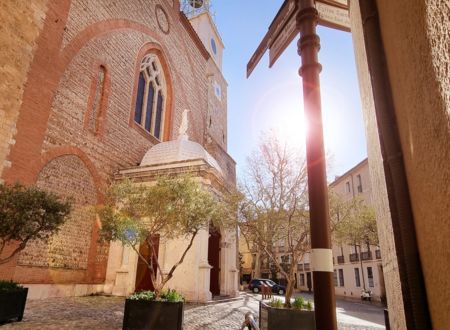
<point x="271" y="99"/>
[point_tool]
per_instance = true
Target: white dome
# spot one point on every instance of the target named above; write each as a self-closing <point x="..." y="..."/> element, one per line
<point x="177" y="151"/>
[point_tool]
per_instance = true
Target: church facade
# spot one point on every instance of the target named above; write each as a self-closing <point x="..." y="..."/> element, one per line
<point x="91" y="87"/>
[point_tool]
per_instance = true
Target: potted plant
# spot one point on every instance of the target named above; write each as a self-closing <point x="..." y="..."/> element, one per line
<point x="143" y="311"/>
<point x="275" y="315"/>
<point x="26" y="213"/>
<point x="12" y="301"/>
<point x="136" y="214"/>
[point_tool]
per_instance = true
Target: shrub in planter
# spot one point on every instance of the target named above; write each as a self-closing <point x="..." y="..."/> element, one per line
<point x="26" y="213"/>
<point x="144" y="311"/>
<point x="12" y="301"/>
<point x="273" y="315"/>
<point x="170" y="209"/>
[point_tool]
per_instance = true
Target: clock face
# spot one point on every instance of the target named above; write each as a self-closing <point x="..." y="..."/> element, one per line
<point x="196" y="3"/>
<point x="213" y="46"/>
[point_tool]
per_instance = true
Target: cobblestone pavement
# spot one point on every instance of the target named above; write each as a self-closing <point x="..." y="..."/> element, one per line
<point x="105" y="313"/>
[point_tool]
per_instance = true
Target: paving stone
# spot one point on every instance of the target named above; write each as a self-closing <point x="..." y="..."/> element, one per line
<point x="106" y="313"/>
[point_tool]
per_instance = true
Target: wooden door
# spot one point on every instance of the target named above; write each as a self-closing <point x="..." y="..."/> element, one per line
<point x="143" y="277"/>
<point x="214" y="261"/>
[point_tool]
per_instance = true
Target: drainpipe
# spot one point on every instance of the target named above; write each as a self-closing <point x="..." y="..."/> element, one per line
<point x="410" y="270"/>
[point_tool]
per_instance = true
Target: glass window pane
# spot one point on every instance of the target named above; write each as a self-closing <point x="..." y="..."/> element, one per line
<point x="341" y="277"/>
<point x="357" y="280"/>
<point x="148" y="114"/>
<point x="159" y="107"/>
<point x="139" y="99"/>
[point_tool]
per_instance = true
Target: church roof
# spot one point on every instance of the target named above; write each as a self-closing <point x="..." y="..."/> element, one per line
<point x="178" y="151"/>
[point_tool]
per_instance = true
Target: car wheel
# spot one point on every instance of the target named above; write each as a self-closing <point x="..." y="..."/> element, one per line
<point x="255" y="290"/>
<point x="281" y="291"/>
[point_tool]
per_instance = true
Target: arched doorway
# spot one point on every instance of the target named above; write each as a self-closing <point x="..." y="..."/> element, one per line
<point x="143" y="277"/>
<point x="214" y="260"/>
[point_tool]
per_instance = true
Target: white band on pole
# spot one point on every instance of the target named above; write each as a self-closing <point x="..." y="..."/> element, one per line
<point x="321" y="260"/>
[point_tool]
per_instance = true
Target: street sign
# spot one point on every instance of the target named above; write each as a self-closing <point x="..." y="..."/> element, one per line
<point x="336" y="3"/>
<point x="283" y="29"/>
<point x="333" y="17"/>
<point x="283" y="40"/>
<point x="286" y="12"/>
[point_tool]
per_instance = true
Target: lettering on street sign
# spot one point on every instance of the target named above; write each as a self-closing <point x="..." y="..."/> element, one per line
<point x="283" y="29"/>
<point x="284" y="15"/>
<point x="283" y="40"/>
<point x="332" y="16"/>
<point x="287" y="10"/>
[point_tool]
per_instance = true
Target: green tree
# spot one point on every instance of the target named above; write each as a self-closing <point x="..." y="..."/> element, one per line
<point x="358" y="227"/>
<point x="28" y="213"/>
<point x="135" y="214"/>
<point x="274" y="210"/>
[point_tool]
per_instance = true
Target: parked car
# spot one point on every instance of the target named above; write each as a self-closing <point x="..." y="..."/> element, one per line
<point x="255" y="285"/>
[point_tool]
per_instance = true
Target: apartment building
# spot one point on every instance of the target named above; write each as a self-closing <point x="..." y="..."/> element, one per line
<point x="355" y="267"/>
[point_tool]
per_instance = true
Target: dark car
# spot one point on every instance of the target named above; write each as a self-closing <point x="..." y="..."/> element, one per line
<point x="255" y="285"/>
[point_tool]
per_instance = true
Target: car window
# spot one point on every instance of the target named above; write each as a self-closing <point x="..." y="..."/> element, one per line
<point x="270" y="282"/>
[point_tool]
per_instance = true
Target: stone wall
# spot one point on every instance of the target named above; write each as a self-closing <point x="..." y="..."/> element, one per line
<point x="21" y="23"/>
<point x="416" y="38"/>
<point x="380" y="201"/>
<point x="217" y="105"/>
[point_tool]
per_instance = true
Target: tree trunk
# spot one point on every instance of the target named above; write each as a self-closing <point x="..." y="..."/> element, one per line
<point x="362" y="268"/>
<point x="257" y="270"/>
<point x="289" y="291"/>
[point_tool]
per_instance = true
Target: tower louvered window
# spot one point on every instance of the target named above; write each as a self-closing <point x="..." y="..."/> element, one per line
<point x="151" y="96"/>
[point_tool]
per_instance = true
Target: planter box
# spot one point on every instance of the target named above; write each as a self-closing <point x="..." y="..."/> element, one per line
<point x="155" y="315"/>
<point x="12" y="305"/>
<point x="281" y="318"/>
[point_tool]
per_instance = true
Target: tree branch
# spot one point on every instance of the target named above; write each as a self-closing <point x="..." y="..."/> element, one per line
<point x="169" y="276"/>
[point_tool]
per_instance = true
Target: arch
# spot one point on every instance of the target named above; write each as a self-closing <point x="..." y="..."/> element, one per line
<point x="26" y="152"/>
<point x="68" y="177"/>
<point x="72" y="150"/>
<point x="157" y="49"/>
<point x="97" y="105"/>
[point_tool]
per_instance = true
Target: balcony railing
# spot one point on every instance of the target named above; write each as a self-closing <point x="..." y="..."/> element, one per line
<point x="340" y="259"/>
<point x="300" y="267"/>
<point x="378" y="254"/>
<point x="307" y="267"/>
<point x="354" y="257"/>
<point x="367" y="255"/>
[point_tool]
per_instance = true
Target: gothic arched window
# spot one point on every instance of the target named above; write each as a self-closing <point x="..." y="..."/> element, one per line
<point x="151" y="96"/>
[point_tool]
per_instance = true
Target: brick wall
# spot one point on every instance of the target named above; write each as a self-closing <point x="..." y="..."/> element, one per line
<point x="21" y="23"/>
<point x="68" y="177"/>
<point x="56" y="150"/>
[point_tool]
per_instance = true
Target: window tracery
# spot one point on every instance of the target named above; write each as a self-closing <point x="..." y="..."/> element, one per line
<point x="151" y="96"/>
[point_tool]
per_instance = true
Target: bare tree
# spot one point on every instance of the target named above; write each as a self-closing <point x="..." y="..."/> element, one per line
<point x="274" y="209"/>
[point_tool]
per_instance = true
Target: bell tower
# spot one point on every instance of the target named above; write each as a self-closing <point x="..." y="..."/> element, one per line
<point x="200" y="15"/>
<point x="192" y="8"/>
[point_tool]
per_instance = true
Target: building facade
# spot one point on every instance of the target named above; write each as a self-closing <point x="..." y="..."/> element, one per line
<point x="90" y="87"/>
<point x="357" y="268"/>
<point x="401" y="52"/>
